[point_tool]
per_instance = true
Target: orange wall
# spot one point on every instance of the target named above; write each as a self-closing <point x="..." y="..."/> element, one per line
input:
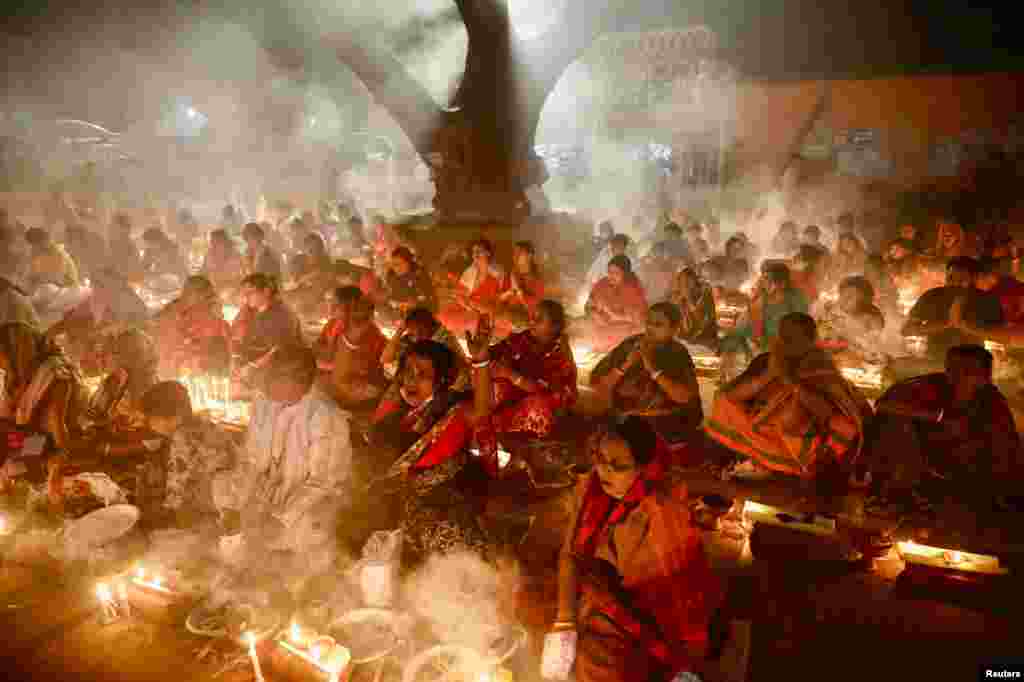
<point x="909" y="113"/>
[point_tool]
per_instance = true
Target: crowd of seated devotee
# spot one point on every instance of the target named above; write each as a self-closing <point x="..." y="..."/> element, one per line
<point x="397" y="385"/>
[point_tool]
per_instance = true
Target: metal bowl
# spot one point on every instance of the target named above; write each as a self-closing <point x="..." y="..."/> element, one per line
<point x="194" y="622"/>
<point x="381" y="617"/>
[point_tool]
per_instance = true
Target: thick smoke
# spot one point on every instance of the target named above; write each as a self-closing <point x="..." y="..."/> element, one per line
<point x="462" y="597"/>
<point x="272" y="124"/>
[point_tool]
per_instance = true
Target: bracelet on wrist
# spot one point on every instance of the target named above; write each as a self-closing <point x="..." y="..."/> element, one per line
<point x="482" y="364"/>
<point x="942" y="412"/>
<point x="656" y="374"/>
<point x="348" y="344"/>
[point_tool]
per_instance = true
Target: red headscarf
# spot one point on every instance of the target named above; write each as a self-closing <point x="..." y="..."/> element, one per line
<point x="599" y="511"/>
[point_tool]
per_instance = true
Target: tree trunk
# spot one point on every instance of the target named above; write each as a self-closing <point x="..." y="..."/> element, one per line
<point x="480" y="148"/>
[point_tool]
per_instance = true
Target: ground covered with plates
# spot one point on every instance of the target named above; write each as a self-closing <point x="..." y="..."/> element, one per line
<point x="793" y="613"/>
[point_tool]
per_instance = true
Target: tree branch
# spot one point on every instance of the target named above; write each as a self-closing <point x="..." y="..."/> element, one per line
<point x="547" y="57"/>
<point x="393" y="88"/>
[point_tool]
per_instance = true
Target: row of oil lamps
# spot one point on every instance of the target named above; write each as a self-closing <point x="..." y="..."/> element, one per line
<point x="322" y="653"/>
<point x="911" y="552"/>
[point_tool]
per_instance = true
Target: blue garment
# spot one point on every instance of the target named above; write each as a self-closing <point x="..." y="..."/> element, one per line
<point x="794" y="302"/>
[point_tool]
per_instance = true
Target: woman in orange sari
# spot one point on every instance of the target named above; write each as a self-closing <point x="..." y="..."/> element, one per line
<point x="791" y="411"/>
<point x="191" y="332"/>
<point x="477" y="291"/>
<point x="634" y="582"/>
<point x="617" y="307"/>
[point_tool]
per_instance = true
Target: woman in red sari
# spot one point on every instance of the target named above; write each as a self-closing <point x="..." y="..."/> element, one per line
<point x="223" y="264"/>
<point x="953" y="241"/>
<point x="191" y="331"/>
<point x="534" y="376"/>
<point x="338" y="303"/>
<point x="634" y="582"/>
<point x="477" y="291"/>
<point x="617" y="307"/>
<point x="428" y="426"/>
<point x="522" y="290"/>
<point x="357" y="378"/>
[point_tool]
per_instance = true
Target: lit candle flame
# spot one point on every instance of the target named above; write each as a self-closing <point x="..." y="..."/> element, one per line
<point x="906" y="300"/>
<point x="296" y="633"/>
<point x="103" y="592"/>
<point x="994" y="347"/>
<point x="250" y="637"/>
<point x="230" y="312"/>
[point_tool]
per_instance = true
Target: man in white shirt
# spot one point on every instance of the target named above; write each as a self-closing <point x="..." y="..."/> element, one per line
<point x="295" y="470"/>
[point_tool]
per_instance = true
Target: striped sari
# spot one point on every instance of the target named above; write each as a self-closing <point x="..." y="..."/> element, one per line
<point x="757" y="428"/>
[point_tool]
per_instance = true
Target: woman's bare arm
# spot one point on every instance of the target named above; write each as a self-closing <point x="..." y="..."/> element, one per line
<point x="390" y="352"/>
<point x="1011" y="335"/>
<point x="813" y="402"/>
<point x="679" y="392"/>
<point x="747" y="389"/>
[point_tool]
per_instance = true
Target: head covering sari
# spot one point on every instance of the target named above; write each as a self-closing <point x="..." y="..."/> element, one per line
<point x="660" y="593"/>
<point x="755" y="431"/>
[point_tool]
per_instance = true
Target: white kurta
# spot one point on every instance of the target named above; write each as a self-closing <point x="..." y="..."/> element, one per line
<point x="296" y="466"/>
